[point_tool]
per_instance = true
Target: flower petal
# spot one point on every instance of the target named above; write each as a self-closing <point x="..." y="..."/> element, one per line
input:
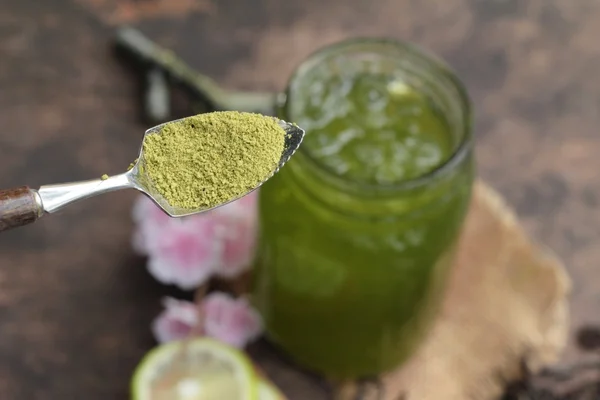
<point x="186" y="255"/>
<point x="150" y="221"/>
<point x="176" y="321"/>
<point x="243" y="208"/>
<point x="188" y="251"/>
<point x="238" y="249"/>
<point x="233" y="321"/>
<point x="139" y="242"/>
<point x="238" y="222"/>
<point x="146" y="211"/>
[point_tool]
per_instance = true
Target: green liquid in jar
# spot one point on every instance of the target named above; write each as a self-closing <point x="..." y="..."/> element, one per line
<point x="350" y="291"/>
<point x="373" y="129"/>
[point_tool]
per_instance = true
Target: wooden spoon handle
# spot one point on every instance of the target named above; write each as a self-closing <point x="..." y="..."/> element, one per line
<point x="18" y="207"/>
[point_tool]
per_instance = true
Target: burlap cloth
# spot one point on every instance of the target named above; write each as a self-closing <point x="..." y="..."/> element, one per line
<point x="505" y="307"/>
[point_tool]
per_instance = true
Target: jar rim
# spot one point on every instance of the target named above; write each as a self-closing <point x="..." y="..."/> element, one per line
<point x="392" y="46"/>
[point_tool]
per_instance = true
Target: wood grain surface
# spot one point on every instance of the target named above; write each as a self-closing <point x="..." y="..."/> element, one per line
<point x="75" y="304"/>
<point x="18" y="207"/>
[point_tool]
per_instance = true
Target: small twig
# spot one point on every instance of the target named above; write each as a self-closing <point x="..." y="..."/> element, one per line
<point x="199" y="295"/>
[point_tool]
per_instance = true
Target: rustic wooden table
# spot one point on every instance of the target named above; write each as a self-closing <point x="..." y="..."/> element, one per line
<point x="75" y="304"/>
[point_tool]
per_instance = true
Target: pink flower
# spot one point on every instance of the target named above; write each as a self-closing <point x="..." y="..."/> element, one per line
<point x="176" y="322"/>
<point x="150" y="219"/>
<point x="146" y="211"/>
<point x="232" y="321"/>
<point x="239" y="243"/>
<point x="187" y="254"/>
<point x="239" y="223"/>
<point x="243" y="208"/>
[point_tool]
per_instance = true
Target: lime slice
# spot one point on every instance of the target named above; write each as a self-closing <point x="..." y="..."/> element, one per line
<point x="198" y="369"/>
<point x="266" y="391"/>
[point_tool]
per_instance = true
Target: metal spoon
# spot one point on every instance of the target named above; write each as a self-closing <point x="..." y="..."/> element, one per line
<point x="21" y="206"/>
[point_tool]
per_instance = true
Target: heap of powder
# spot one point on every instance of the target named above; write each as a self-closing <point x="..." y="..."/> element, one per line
<point x="213" y="158"/>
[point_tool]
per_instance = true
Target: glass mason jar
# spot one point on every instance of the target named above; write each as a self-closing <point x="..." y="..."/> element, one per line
<point x="358" y="230"/>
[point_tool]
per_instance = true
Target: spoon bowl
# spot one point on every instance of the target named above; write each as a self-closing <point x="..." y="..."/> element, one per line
<point x="140" y="181"/>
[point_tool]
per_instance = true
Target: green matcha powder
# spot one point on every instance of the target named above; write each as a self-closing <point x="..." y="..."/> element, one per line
<point x="210" y="159"/>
